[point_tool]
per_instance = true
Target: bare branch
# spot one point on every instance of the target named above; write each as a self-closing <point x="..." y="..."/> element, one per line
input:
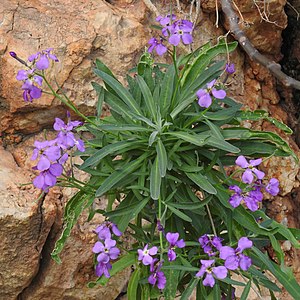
<point x="152" y="7"/>
<point x="254" y="54"/>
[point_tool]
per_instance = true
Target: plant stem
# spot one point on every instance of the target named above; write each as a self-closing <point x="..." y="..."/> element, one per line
<point x="211" y="220"/>
<point x="67" y="102"/>
<point x="160" y="232"/>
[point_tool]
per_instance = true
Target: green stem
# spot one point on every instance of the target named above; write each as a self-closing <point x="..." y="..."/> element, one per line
<point x="66" y="101"/>
<point x="211" y="220"/>
<point x="160" y="232"/>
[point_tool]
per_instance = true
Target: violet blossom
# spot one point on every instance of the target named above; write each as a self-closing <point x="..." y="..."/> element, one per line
<point x="106" y="251"/>
<point x="211" y="272"/>
<point x="229" y="68"/>
<point x="104" y="230"/>
<point x="250" y="198"/>
<point x="172" y="238"/>
<point x="234" y="258"/>
<point x="158" y="46"/>
<point x="48" y="178"/>
<point x="65" y="137"/>
<point x="103" y="269"/>
<point x="157" y="277"/>
<point x="204" y="95"/>
<point x="31" y="80"/>
<point x="41" y="59"/>
<point x="145" y="255"/>
<point x="273" y="187"/>
<point x="166" y="22"/>
<point x="207" y="243"/>
<point x="250" y="170"/>
<point x="181" y="31"/>
<point x="52" y="155"/>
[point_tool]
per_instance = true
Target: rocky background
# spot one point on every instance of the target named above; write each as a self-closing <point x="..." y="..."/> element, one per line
<point x="116" y="31"/>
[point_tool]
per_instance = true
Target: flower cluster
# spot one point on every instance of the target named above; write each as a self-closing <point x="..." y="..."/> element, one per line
<point x="233" y="258"/>
<point x="253" y="177"/>
<point x="32" y="79"/>
<point x="157" y="277"/>
<point x="52" y="154"/>
<point x="105" y="248"/>
<point x="174" y="31"/>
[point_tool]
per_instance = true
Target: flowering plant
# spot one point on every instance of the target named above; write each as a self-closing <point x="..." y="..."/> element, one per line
<point x="181" y="174"/>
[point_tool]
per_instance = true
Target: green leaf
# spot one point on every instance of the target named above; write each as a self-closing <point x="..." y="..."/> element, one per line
<point x="189" y="289"/>
<point x="124" y="262"/>
<point x="148" y="98"/>
<point x="120" y="91"/>
<point x="118" y="175"/>
<point x="246" y="291"/>
<point x="167" y="90"/>
<point x="188" y="93"/>
<point x="201" y="181"/>
<point x="281" y="229"/>
<point x="202" y="61"/>
<point x="171" y="284"/>
<point x="132" y="209"/>
<point x="191" y="205"/>
<point x="285" y="277"/>
<point x="257" y="115"/>
<point x="221" y="144"/>
<point x="133" y="285"/>
<point x="155" y="180"/>
<point x="109" y="149"/>
<point x="247" y="134"/>
<point x="117" y="105"/>
<point x="100" y="91"/>
<point x="74" y="208"/>
<point x="178" y="213"/>
<point x="196" y="139"/>
<point x="162" y="158"/>
<point x="123" y="127"/>
<point x="180" y="268"/>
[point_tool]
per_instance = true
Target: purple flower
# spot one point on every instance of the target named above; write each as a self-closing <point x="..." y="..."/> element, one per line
<point x="145" y="254"/>
<point x="251" y="198"/>
<point x="47" y="178"/>
<point x="65" y="137"/>
<point x="181" y="31"/>
<point x="211" y="272"/>
<point x="204" y="95"/>
<point x="31" y="91"/>
<point x="41" y="59"/>
<point x="172" y="238"/>
<point x="13" y="54"/>
<point x="273" y="187"/>
<point x="158" y="46"/>
<point x="207" y="243"/>
<point x="248" y="176"/>
<point x="107" y="251"/>
<point x="230" y="69"/>
<point x="104" y="230"/>
<point x="157" y="277"/>
<point x="234" y="258"/>
<point x="166" y="22"/>
<point x="103" y="269"/>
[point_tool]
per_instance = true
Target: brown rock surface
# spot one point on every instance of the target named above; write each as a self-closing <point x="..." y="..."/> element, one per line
<point x="25" y="223"/>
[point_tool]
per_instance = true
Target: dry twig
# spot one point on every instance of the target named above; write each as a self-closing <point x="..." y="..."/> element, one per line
<point x="253" y="53"/>
<point x="152" y="7"/>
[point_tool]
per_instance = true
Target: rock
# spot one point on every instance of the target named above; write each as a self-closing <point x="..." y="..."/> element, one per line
<point x="79" y="32"/>
<point x="25" y="222"/>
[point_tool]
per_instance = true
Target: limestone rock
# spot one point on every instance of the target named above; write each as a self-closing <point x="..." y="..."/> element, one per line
<point x="79" y="31"/>
<point x="25" y="223"/>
